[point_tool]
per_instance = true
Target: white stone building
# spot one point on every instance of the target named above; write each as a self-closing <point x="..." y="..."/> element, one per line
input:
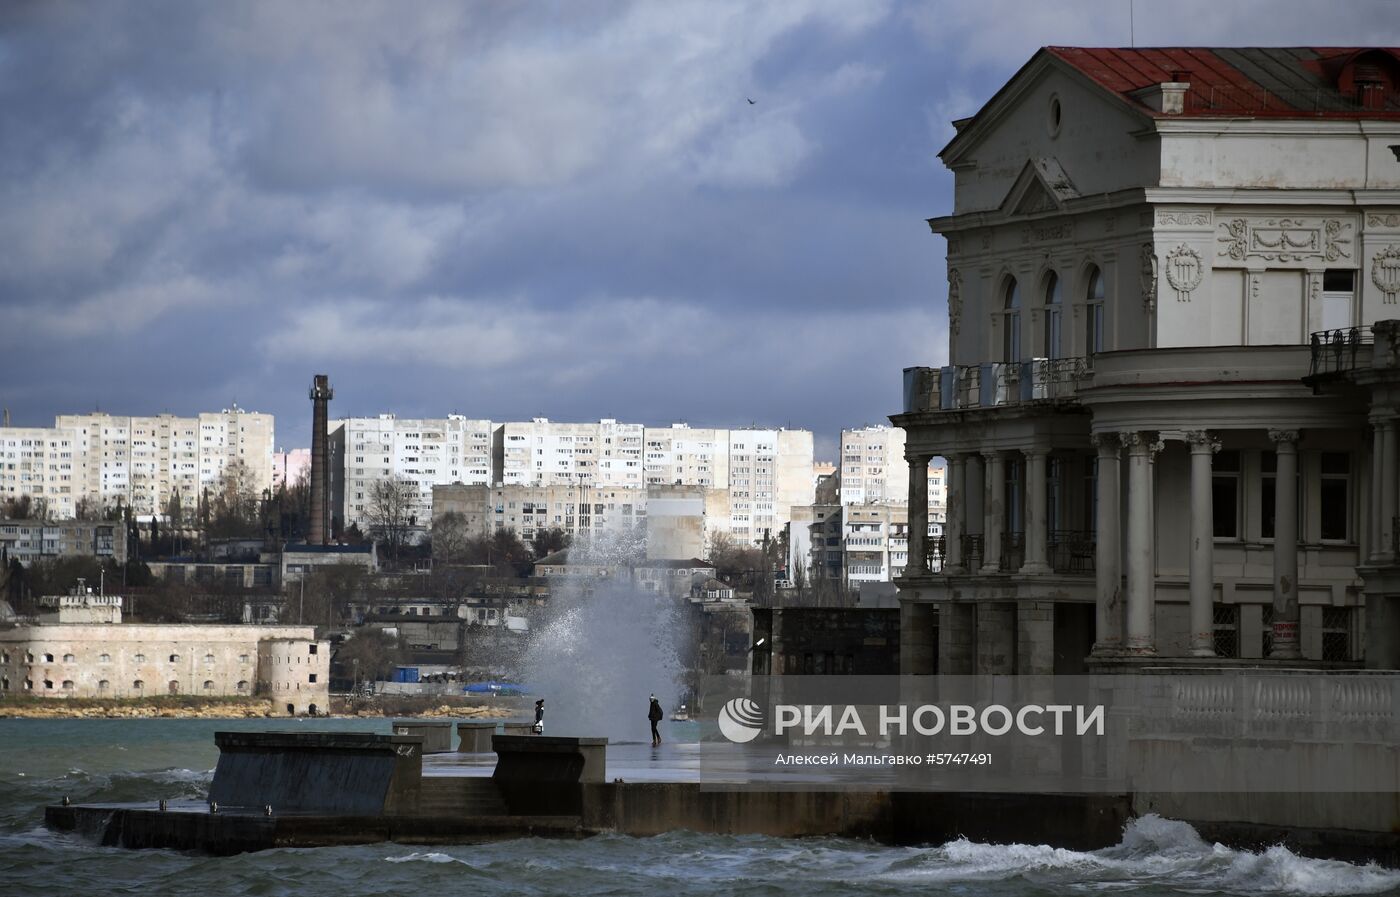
<point x="1141" y="245"/>
<point x="81" y="649"/>
<point x="424" y="452"/>
<point x="44" y="463"/>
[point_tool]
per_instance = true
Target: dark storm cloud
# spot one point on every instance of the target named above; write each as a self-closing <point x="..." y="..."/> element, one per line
<point x="507" y="209"/>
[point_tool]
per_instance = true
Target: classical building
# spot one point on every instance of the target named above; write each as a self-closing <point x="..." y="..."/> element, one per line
<point x="79" y="648"/>
<point x="1167" y="432"/>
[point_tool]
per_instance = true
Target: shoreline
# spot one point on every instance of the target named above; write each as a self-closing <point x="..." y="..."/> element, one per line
<point x="247" y="708"/>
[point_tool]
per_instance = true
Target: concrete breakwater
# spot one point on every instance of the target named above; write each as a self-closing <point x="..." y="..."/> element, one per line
<point x="307" y="789"/>
<point x="234" y="708"/>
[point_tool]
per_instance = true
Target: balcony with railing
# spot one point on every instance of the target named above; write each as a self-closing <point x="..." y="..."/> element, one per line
<point x="994" y="384"/>
<point x="1339" y="351"/>
<point x="973" y="549"/>
<point x="1013" y="552"/>
<point x="1071" y="551"/>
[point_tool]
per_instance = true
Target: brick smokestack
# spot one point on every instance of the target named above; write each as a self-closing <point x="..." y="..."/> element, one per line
<point x="319" y="530"/>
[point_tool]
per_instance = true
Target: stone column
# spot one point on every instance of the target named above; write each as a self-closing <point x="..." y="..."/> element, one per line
<point x="1203" y="447"/>
<point x="1142" y="574"/>
<point x="917" y="564"/>
<point x="1286" y="644"/>
<point x="1108" y="574"/>
<point x="916" y="636"/>
<point x="1037" y="535"/>
<point x="956" y="524"/>
<point x="994" y="508"/>
<point x="1385" y="429"/>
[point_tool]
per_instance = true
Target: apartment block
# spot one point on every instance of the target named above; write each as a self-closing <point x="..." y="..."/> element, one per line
<point x="425" y="452"/>
<point x="873" y="470"/>
<point x="104" y="460"/>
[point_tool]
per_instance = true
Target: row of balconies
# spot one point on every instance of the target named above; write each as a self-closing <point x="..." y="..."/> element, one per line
<point x="994" y="383"/>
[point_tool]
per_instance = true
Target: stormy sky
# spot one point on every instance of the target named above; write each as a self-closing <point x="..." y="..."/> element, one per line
<point x="507" y="210"/>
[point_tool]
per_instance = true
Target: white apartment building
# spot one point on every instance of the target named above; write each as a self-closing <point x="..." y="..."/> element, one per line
<point x="541" y="452"/>
<point x="425" y="452"/>
<point x="1165" y="271"/>
<point x="874" y="470"/>
<point x="770" y="472"/>
<point x="44" y="464"/>
<point x="138" y="462"/>
<point x="681" y="456"/>
<point x="677" y="521"/>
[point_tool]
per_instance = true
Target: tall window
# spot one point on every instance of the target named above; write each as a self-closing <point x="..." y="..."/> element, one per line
<point x="1052" y="317"/>
<point x="1093" y="313"/>
<point x="1011" y="323"/>
<point x="1225" y="495"/>
<point x="1335" y="510"/>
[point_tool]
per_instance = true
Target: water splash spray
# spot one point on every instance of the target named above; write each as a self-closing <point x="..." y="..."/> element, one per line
<point x="605" y="645"/>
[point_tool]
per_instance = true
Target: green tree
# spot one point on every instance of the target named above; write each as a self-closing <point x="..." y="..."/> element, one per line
<point x="372" y="653"/>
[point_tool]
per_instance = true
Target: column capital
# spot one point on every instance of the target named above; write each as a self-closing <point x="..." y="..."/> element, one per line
<point x="1107" y="444"/>
<point x="1287" y="438"/>
<point x="917" y="458"/>
<point x="993" y="454"/>
<point x="1033" y="451"/>
<point x="1141" y="441"/>
<point x="1202" y="441"/>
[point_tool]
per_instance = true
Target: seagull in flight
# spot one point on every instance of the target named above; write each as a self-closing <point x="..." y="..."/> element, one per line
<point x="751" y="102"/>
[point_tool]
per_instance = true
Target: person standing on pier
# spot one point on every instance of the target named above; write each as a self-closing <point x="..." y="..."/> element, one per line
<point x="538" y="727"/>
<point x="654" y="714"/>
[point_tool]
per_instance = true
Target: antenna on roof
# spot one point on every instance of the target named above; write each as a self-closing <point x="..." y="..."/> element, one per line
<point x="1132" y="25"/>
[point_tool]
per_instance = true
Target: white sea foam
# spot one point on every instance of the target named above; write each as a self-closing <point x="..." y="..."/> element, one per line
<point x="423" y="858"/>
<point x="1154" y="851"/>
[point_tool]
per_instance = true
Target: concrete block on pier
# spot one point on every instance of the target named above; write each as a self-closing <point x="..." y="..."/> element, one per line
<point x="475" y="738"/>
<point x="326" y="772"/>
<point x="436" y="734"/>
<point x="543" y="775"/>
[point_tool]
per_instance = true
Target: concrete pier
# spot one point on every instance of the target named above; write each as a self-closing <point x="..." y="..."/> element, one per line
<point x="475" y="738"/>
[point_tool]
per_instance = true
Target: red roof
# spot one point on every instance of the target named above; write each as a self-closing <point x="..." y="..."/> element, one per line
<point x="1263" y="82"/>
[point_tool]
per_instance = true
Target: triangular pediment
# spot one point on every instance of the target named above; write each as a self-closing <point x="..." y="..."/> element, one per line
<point x="1042" y="186"/>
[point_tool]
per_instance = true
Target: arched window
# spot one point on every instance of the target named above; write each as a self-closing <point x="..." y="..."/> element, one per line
<point x="1052" y="317"/>
<point x="174" y="658"/>
<point x="140" y="658"/>
<point x="104" y="658"/>
<point x="138" y="685"/>
<point x="208" y="684"/>
<point x="209" y="658"/>
<point x="1011" y="323"/>
<point x="242" y="684"/>
<point x="69" y="658"/>
<point x="1093" y="313"/>
<point x="67" y="684"/>
<point x="103" y="685"/>
<point x="174" y="686"/>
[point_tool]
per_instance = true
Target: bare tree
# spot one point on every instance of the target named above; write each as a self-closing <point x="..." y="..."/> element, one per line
<point x="450" y="538"/>
<point x="389" y="512"/>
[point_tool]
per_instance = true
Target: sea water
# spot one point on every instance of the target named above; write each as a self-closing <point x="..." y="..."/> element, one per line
<point x="41" y="761"/>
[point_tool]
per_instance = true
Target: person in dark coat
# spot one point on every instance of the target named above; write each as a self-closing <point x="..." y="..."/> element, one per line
<point x="654" y="714"/>
<point x="538" y="727"/>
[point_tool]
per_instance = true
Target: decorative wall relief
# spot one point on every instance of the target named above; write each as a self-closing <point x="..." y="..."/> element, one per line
<point x="954" y="301"/>
<point x="1184" y="219"/>
<point x="1385" y="272"/>
<point x="1050" y="230"/>
<point x="1148" y="276"/>
<point x="1286" y="239"/>
<point x="1184" y="271"/>
<point x="1382" y="220"/>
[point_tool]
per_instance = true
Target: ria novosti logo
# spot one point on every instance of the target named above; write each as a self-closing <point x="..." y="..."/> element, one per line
<point x="740" y="720"/>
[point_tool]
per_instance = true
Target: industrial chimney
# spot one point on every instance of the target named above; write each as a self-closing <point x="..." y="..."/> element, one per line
<point x="319" y="529"/>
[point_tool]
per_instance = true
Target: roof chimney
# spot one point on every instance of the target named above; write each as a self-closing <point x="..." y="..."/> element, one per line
<point x="1168" y="97"/>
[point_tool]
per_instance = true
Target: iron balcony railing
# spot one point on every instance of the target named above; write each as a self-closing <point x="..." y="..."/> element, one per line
<point x="1071" y="551"/>
<point x="1337" y="351"/>
<point x="994" y="384"/>
<point x="972" y="551"/>
<point x="1013" y="552"/>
